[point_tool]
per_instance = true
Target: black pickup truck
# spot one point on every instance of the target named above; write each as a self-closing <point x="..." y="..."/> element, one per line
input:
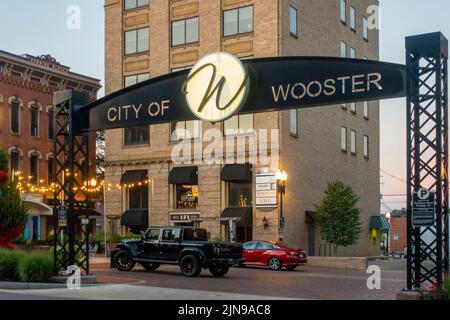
<point x="187" y="247"/>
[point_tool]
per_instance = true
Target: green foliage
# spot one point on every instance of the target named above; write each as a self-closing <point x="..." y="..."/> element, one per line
<point x="9" y="264"/>
<point x="20" y="240"/>
<point x="446" y="288"/>
<point x="3" y="160"/>
<point x="338" y="217"/>
<point x="14" y="213"/>
<point x="399" y="213"/>
<point x="36" y="268"/>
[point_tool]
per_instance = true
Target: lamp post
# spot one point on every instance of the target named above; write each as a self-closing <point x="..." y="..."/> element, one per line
<point x="388" y="218"/>
<point x="281" y="177"/>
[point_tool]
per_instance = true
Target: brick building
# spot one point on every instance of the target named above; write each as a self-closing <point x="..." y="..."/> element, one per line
<point x="27" y="84"/>
<point x="146" y="39"/>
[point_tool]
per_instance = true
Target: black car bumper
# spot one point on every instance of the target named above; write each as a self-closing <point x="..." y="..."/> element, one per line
<point x="229" y="261"/>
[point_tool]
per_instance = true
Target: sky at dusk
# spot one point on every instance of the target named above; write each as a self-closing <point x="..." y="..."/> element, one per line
<point x="39" y="27"/>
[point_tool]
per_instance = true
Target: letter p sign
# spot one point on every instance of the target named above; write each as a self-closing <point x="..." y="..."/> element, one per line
<point x="423" y="194"/>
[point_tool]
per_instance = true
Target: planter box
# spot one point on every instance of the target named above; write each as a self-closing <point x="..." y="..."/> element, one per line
<point x="357" y="263"/>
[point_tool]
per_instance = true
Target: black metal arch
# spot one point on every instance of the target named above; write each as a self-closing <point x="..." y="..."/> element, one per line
<point x="424" y="82"/>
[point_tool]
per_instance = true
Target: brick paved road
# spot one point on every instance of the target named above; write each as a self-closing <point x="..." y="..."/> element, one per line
<point x="305" y="283"/>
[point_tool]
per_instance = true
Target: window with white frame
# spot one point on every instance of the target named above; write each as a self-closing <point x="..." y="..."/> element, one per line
<point x="353" y="142"/>
<point x="185" y="130"/>
<point x="293" y="21"/>
<point x="353" y="53"/>
<point x="343" y="49"/>
<point x="34" y="121"/>
<point x="34" y="169"/>
<point x="293" y="115"/>
<point x="366" y="110"/>
<point x="135" y="79"/>
<point x="353" y="107"/>
<point x="15" y="117"/>
<point x="365" y="28"/>
<point x="366" y="147"/>
<point x="352" y="18"/>
<point x="344" y="139"/>
<point x="344" y="11"/>
<point x="133" y="4"/>
<point x="15" y="165"/>
<point x="185" y="31"/>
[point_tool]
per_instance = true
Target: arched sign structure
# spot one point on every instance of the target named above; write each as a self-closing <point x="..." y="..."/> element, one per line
<point x="220" y="86"/>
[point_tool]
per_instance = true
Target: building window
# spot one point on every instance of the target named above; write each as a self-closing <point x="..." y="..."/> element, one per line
<point x="186" y="196"/>
<point x="352" y="18"/>
<point x="34" y="121"/>
<point x="137" y="41"/>
<point x="238" y="21"/>
<point x="344" y="139"/>
<point x="34" y="169"/>
<point x="353" y="142"/>
<point x="293" y="115"/>
<point x="241" y="124"/>
<point x="366" y="147"/>
<point x="185" y="130"/>
<point x="352" y="53"/>
<point x="50" y="170"/>
<point x="138" y="198"/>
<point x="51" y="124"/>
<point x="366" y="110"/>
<point x="343" y="49"/>
<point x="353" y="107"/>
<point x="293" y="19"/>
<point x="185" y="31"/>
<point x="135" y="79"/>
<point x="15" y="117"/>
<point x="344" y="11"/>
<point x="15" y="162"/>
<point x="137" y="136"/>
<point x="240" y="194"/>
<point x="133" y="4"/>
<point x="365" y="28"/>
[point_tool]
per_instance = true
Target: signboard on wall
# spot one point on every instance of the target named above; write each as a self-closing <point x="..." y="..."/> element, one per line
<point x="424" y="208"/>
<point x="266" y="190"/>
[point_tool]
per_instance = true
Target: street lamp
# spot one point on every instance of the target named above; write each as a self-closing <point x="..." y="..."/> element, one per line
<point x="281" y="177"/>
<point x="388" y="218"/>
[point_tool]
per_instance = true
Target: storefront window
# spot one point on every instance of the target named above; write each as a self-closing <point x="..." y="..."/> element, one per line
<point x="138" y="198"/>
<point x="187" y="196"/>
<point x="240" y="194"/>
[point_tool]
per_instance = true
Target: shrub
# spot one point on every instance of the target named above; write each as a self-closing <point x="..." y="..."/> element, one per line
<point x="9" y="264"/>
<point x="36" y="268"/>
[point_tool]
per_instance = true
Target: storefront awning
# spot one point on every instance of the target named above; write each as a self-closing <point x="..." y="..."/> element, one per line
<point x="184" y="175"/>
<point x="134" y="176"/>
<point x="36" y="208"/>
<point x="237" y="173"/>
<point x="135" y="218"/>
<point x="245" y="215"/>
<point x="379" y="223"/>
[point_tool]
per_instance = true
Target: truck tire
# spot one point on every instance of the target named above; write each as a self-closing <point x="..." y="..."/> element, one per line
<point x="150" y="266"/>
<point x="123" y="261"/>
<point x="190" y="266"/>
<point x="219" y="270"/>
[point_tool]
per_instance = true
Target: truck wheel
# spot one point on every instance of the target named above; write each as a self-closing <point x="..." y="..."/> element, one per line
<point x="190" y="266"/>
<point x="219" y="270"/>
<point x="123" y="261"/>
<point x="275" y="264"/>
<point x="150" y="266"/>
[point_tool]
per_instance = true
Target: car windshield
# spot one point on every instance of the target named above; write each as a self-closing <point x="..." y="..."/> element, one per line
<point x="195" y="235"/>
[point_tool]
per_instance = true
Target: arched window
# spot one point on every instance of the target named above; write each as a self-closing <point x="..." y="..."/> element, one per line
<point x="35" y="156"/>
<point x="15" y="105"/>
<point x="35" y="110"/>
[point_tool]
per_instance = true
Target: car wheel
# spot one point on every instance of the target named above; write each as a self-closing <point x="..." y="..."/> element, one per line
<point x="190" y="266"/>
<point x="291" y="268"/>
<point x="150" y="266"/>
<point x="123" y="261"/>
<point x="219" y="270"/>
<point x="275" y="264"/>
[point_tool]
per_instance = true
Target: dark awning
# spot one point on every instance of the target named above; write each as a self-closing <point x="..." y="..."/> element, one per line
<point x="379" y="223"/>
<point x="134" y="176"/>
<point x="246" y="215"/>
<point x="135" y="218"/>
<point x="311" y="217"/>
<point x="237" y="173"/>
<point x="184" y="175"/>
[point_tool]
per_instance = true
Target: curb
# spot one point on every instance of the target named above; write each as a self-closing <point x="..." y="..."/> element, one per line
<point x="40" y="286"/>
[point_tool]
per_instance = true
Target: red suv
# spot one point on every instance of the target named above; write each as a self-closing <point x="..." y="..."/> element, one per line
<point x="275" y="255"/>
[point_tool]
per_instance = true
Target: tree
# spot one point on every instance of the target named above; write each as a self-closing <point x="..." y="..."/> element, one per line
<point x="13" y="212"/>
<point x="399" y="213"/>
<point x="338" y="217"/>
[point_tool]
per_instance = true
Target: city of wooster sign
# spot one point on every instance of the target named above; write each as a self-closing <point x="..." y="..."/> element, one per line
<point x="220" y="86"/>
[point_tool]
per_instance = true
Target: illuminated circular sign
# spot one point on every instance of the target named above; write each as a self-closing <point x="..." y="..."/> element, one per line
<point x="216" y="87"/>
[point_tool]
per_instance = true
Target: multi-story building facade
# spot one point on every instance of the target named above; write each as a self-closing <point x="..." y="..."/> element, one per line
<point x="146" y="39"/>
<point x="27" y="84"/>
